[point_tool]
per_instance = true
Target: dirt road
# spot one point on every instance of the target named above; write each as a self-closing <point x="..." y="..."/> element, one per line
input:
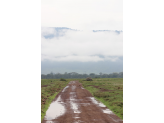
<point x="74" y="104"/>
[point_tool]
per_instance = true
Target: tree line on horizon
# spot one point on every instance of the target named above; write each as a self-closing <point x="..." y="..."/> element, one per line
<point x="77" y="75"/>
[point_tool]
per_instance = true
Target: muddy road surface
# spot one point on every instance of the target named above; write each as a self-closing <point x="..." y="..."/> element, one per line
<point x="74" y="104"/>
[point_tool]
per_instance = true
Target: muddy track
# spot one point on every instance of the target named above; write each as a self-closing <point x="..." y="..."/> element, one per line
<point x="74" y="104"/>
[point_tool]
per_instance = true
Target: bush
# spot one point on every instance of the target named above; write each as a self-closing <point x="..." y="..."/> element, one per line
<point x="62" y="79"/>
<point x="88" y="79"/>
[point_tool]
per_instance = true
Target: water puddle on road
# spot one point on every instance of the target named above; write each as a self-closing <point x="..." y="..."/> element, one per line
<point x="82" y="88"/>
<point x="107" y="111"/>
<point x="65" y="88"/>
<point x="96" y="102"/>
<point x="79" y="121"/>
<point x="84" y="104"/>
<point x="51" y="122"/>
<point x="55" y="110"/>
<point x="74" y="105"/>
<point x="71" y="82"/>
<point x="73" y="87"/>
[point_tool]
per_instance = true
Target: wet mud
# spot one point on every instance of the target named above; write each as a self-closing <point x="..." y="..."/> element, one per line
<point x="74" y="104"/>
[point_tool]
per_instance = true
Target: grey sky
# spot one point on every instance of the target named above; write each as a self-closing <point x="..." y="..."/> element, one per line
<point x="83" y="14"/>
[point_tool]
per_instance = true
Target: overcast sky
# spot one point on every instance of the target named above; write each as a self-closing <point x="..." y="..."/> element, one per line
<point x="91" y="39"/>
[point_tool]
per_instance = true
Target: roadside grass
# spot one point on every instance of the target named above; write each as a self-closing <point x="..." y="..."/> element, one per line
<point x="49" y="92"/>
<point x="109" y="91"/>
<point x="48" y="81"/>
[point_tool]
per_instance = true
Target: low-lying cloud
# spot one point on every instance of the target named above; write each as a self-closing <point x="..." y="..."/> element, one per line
<point x="82" y="46"/>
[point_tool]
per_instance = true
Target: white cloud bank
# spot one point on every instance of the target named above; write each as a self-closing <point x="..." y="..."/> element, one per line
<point x="83" y="14"/>
<point x="83" y="46"/>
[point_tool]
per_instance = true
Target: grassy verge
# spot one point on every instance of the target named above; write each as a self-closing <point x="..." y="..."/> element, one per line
<point x="109" y="91"/>
<point x="50" y="88"/>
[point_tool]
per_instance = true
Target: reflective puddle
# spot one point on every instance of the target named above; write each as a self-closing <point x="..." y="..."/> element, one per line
<point x="84" y="104"/>
<point x="82" y="88"/>
<point x="71" y="82"/>
<point x="50" y="122"/>
<point x="96" y="102"/>
<point x="74" y="105"/>
<point x="65" y="88"/>
<point x="79" y="121"/>
<point x="73" y="87"/>
<point x="55" y="110"/>
<point x="107" y="111"/>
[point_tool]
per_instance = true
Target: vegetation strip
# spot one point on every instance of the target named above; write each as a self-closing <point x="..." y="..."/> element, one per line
<point x="108" y="91"/>
<point x="50" y="88"/>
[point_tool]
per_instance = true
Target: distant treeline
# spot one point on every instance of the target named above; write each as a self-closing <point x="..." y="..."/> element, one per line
<point x="77" y="75"/>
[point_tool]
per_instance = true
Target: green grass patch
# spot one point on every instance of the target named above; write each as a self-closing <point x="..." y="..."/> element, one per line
<point x="109" y="91"/>
<point x="48" y="93"/>
<point x="45" y="107"/>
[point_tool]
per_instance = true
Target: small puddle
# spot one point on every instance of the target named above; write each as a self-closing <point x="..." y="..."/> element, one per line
<point x="107" y="111"/>
<point x="72" y="95"/>
<point x="85" y="104"/>
<point x="74" y="106"/>
<point x="79" y="121"/>
<point x="73" y="87"/>
<point x="65" y="88"/>
<point x="50" y="122"/>
<point x="96" y="102"/>
<point x="82" y="88"/>
<point x="71" y="82"/>
<point x="72" y="92"/>
<point x="55" y="110"/>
